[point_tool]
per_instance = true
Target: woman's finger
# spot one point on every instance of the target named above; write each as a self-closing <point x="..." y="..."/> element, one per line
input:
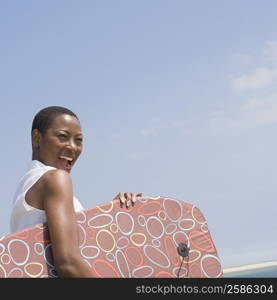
<point x="139" y="195"/>
<point x="133" y="199"/>
<point x="128" y="197"/>
<point x="121" y="198"/>
<point x="116" y="197"/>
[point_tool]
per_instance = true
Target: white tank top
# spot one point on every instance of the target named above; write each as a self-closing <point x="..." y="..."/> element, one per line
<point x="24" y="215"/>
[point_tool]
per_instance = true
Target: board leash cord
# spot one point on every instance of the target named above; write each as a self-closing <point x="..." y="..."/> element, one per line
<point x="183" y="250"/>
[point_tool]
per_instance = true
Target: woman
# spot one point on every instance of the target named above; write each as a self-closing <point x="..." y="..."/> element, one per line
<point x="45" y="193"/>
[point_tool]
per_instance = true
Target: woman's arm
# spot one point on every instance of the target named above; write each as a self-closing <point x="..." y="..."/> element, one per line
<point x="61" y="218"/>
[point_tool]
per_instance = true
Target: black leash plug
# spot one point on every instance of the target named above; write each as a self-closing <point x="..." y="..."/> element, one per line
<point x="183" y="249"/>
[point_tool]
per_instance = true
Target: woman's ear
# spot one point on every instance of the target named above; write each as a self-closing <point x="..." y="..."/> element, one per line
<point x="36" y="136"/>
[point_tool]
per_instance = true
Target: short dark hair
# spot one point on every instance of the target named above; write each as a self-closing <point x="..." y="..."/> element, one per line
<point x="44" y="118"/>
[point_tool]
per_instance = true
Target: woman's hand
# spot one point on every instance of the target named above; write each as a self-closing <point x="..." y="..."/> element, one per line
<point x="127" y="198"/>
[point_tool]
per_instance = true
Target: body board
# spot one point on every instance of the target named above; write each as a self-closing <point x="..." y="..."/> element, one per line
<point x="140" y="241"/>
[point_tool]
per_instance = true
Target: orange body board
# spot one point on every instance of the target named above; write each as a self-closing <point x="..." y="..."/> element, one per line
<point x="140" y="241"/>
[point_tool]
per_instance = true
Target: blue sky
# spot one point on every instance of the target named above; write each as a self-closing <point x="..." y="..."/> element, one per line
<point x="175" y="98"/>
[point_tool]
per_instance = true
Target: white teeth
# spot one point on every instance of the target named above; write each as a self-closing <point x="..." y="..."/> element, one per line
<point x="66" y="158"/>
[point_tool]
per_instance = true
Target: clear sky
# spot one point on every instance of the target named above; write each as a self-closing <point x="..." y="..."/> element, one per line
<point x="175" y="98"/>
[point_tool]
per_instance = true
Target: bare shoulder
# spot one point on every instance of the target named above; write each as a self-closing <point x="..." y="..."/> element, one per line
<point x="56" y="174"/>
<point x="56" y="180"/>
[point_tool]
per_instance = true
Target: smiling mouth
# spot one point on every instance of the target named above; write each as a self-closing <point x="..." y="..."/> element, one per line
<point x="69" y="161"/>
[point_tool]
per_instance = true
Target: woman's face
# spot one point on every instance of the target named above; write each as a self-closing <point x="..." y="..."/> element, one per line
<point x="61" y="144"/>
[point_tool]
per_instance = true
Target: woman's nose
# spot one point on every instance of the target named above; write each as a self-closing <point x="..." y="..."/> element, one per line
<point x="72" y="145"/>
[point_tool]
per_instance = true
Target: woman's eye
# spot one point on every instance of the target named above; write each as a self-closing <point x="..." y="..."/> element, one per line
<point x="63" y="136"/>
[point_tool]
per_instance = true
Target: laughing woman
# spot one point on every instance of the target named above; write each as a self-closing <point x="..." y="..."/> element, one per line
<point x="45" y="192"/>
